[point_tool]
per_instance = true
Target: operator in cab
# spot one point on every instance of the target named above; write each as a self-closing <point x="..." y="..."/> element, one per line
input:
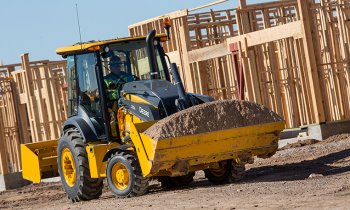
<point x="116" y="78"/>
<point x="114" y="82"/>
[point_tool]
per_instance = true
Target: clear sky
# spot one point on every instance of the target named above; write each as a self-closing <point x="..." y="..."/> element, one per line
<point x="38" y="27"/>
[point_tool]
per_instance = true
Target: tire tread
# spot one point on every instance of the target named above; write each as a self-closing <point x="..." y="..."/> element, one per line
<point x="88" y="188"/>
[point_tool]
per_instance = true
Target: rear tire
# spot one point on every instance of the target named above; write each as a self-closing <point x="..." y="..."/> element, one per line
<point x="179" y="181"/>
<point x="124" y="176"/>
<point x="73" y="167"/>
<point x="228" y="172"/>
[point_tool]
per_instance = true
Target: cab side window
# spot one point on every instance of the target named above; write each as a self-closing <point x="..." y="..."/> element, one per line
<point x="88" y="95"/>
<point x="72" y="84"/>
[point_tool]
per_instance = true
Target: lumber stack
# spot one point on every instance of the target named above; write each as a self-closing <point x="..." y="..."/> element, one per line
<point x="32" y="106"/>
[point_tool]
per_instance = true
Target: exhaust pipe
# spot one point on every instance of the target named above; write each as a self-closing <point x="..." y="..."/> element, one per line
<point x="151" y="54"/>
<point x="183" y="102"/>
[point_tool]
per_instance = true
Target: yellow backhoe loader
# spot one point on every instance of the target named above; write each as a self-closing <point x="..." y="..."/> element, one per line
<point x="104" y="138"/>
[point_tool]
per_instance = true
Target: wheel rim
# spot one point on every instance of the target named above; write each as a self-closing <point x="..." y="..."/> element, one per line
<point x="68" y="167"/>
<point x="220" y="170"/>
<point x="120" y="176"/>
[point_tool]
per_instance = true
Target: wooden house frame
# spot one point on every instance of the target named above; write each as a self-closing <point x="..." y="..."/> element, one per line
<point x="32" y="106"/>
<point x="291" y="56"/>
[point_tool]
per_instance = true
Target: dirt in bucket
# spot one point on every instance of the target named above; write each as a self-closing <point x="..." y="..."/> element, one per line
<point x="212" y="116"/>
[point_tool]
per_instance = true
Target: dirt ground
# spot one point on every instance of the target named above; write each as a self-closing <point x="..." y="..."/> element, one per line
<point x="311" y="176"/>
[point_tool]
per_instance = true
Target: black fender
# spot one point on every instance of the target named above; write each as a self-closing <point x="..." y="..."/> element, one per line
<point x="84" y="128"/>
<point x="120" y="148"/>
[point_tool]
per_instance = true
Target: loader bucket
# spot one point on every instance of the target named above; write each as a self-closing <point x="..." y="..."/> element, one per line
<point x="177" y="156"/>
<point x="39" y="160"/>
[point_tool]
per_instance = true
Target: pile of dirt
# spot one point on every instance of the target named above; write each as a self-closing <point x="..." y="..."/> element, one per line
<point x="213" y="116"/>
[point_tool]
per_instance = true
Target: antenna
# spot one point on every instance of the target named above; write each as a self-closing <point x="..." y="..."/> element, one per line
<point x="76" y="7"/>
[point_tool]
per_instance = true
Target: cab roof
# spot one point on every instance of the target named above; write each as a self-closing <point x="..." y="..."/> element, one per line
<point x="95" y="45"/>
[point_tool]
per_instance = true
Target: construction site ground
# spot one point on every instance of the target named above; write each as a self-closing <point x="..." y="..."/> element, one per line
<point x="300" y="176"/>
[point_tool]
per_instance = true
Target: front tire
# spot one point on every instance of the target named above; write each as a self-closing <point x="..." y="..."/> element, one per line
<point x="124" y="176"/>
<point x="73" y="167"/>
<point x="229" y="171"/>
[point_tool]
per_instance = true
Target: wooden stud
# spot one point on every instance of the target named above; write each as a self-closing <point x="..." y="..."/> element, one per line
<point x="311" y="66"/>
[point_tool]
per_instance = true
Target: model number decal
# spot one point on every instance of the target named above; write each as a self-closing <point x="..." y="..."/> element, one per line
<point x="144" y="112"/>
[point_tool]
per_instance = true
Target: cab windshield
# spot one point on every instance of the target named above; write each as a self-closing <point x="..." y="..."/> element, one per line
<point x="131" y="58"/>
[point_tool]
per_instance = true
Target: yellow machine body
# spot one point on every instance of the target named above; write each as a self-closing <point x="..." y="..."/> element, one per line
<point x="39" y="160"/>
<point x="166" y="157"/>
<point x="180" y="155"/>
<point x="96" y="153"/>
